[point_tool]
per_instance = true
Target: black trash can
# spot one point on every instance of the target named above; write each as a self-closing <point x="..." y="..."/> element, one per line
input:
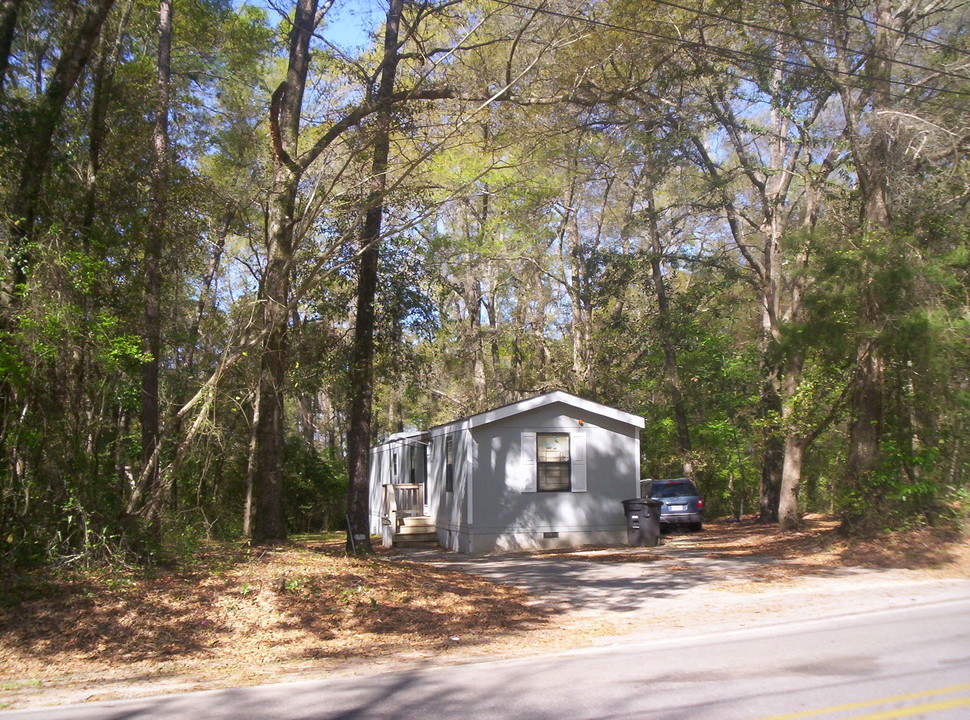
<point x="642" y="522"/>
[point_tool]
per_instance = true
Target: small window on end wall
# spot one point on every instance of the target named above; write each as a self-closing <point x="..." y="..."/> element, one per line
<point x="552" y="462"/>
<point x="449" y="464"/>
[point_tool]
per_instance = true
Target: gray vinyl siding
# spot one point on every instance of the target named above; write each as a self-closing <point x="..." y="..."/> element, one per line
<point x="494" y="505"/>
<point x="449" y="510"/>
<point x="509" y="515"/>
<point x="382" y="471"/>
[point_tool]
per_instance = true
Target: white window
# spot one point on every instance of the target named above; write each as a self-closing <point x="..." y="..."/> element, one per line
<point x="552" y="462"/>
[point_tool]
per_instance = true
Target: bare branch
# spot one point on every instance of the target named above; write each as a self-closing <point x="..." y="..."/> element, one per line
<point x="729" y="208"/>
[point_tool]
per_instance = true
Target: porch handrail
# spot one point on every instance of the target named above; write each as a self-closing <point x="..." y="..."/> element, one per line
<point x="402" y="500"/>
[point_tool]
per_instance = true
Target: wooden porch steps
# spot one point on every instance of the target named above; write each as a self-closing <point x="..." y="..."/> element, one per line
<point x="418" y="531"/>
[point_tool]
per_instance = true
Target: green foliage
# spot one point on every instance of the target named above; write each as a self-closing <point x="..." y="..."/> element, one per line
<point x="297" y="585"/>
<point x="517" y="259"/>
<point x="315" y="488"/>
<point x="183" y="536"/>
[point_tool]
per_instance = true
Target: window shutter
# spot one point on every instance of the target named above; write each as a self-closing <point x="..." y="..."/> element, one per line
<point x="527" y="462"/>
<point x="577" y="442"/>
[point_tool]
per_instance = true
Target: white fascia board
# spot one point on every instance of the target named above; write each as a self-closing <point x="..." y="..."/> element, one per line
<point x="550" y="398"/>
<point x="439" y="430"/>
<point x="401" y="439"/>
<point x="404" y="435"/>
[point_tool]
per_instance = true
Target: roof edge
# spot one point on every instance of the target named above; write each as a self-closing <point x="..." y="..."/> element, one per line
<point x="537" y="401"/>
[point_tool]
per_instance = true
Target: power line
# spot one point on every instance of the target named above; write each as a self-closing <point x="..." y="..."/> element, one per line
<point x="730" y="53"/>
<point x="906" y="33"/>
<point x="794" y="36"/>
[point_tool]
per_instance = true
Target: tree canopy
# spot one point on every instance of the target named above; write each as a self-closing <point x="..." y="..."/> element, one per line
<point x="237" y="249"/>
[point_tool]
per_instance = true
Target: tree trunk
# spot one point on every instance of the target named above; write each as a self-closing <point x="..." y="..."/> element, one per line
<point x="865" y="433"/>
<point x="796" y="443"/>
<point x="788" y="515"/>
<point x="471" y="296"/>
<point x="772" y="461"/>
<point x="362" y="360"/>
<point x="495" y="354"/>
<point x="157" y="230"/>
<point x="573" y="257"/>
<point x="331" y="434"/>
<point x="269" y="431"/>
<point x="307" y="409"/>
<point x="772" y="406"/>
<point x="797" y="440"/>
<point x="247" y="518"/>
<point x="665" y="327"/>
<point x="487" y="295"/>
<point x="872" y="157"/>
<point x="8" y="23"/>
<point x="954" y="475"/>
<point x="308" y="415"/>
<point x="580" y="314"/>
<point x="269" y="520"/>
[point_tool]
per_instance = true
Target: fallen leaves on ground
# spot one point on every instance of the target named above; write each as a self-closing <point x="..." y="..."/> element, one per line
<point x="238" y="612"/>
<point x="819" y="544"/>
<point x="240" y="615"/>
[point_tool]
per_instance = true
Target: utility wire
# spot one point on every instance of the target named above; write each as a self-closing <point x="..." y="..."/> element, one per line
<point x="906" y="33"/>
<point x="733" y="54"/>
<point x="794" y="36"/>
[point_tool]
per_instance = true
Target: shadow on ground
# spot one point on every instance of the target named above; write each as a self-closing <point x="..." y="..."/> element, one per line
<point x="298" y="601"/>
<point x="612" y="579"/>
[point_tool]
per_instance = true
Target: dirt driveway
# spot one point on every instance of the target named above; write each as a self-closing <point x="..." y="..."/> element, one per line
<point x="713" y="578"/>
<point x="610" y="580"/>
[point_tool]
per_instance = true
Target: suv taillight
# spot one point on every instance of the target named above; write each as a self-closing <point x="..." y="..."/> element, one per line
<point x="700" y="503"/>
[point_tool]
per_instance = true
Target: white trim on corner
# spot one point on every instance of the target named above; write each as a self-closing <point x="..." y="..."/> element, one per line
<point x="472" y="462"/>
<point x="636" y="461"/>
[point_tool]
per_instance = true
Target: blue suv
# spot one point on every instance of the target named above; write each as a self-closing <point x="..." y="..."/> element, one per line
<point x="682" y="504"/>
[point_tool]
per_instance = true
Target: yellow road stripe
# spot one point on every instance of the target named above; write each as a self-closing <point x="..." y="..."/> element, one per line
<point x="869" y="703"/>
<point x="913" y="709"/>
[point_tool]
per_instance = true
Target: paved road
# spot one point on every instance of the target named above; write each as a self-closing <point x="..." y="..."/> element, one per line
<point x="898" y="663"/>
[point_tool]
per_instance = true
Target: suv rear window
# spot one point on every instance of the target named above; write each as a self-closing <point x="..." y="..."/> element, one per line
<point x="673" y="489"/>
